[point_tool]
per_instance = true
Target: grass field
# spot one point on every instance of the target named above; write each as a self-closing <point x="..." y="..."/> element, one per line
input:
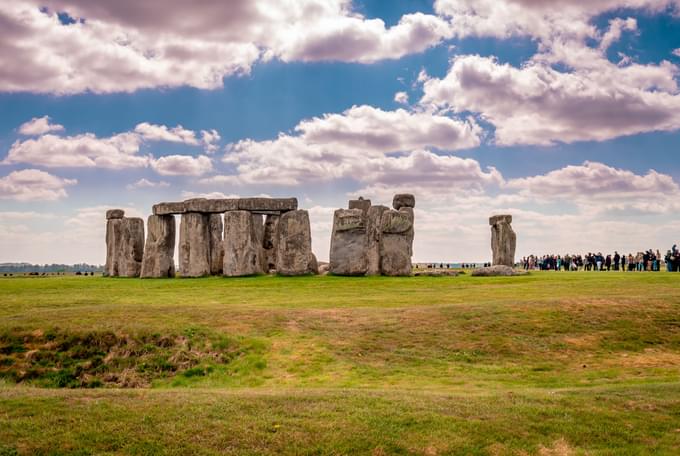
<point x="548" y="364"/>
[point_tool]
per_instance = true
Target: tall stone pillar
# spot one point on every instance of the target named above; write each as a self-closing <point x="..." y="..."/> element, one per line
<point x="216" y="244"/>
<point x="396" y="244"/>
<point x="194" y="245"/>
<point x="503" y="240"/>
<point x="131" y="249"/>
<point x="114" y="226"/>
<point x="159" y="251"/>
<point x="374" y="233"/>
<point x="349" y="243"/>
<point x="294" y="251"/>
<point x="270" y="242"/>
<point x="242" y="248"/>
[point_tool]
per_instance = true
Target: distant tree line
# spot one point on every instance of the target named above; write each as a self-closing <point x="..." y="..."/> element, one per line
<point x="28" y="267"/>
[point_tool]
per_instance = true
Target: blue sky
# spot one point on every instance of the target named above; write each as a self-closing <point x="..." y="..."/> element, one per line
<point x="565" y="117"/>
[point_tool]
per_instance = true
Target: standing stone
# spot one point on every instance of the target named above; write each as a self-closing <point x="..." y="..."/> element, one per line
<point x="131" y="251"/>
<point x="114" y="227"/>
<point x="194" y="245"/>
<point x="503" y="240"/>
<point x="360" y="203"/>
<point x="294" y="251"/>
<point x="349" y="243"/>
<point x="396" y="246"/>
<point x="241" y="246"/>
<point x="159" y="251"/>
<point x="403" y="200"/>
<point x="258" y="224"/>
<point x="374" y="233"/>
<point x="270" y="242"/>
<point x="216" y="244"/>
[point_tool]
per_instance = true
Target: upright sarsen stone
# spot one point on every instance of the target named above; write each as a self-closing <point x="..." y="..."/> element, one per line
<point x="294" y="251"/>
<point x="216" y="244"/>
<point x="159" y="250"/>
<point x="374" y="233"/>
<point x="271" y="241"/>
<point x="131" y="251"/>
<point x="349" y="243"/>
<point x="503" y="240"/>
<point x="396" y="245"/>
<point x="194" y="245"/>
<point x="114" y="227"/>
<point x="241" y="246"/>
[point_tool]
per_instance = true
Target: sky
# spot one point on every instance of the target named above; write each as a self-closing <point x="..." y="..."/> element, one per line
<point x="564" y="114"/>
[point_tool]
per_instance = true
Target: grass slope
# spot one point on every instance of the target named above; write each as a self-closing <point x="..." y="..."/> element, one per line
<point x="551" y="363"/>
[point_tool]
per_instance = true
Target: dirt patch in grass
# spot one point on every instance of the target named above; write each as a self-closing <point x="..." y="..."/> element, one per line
<point x="89" y="359"/>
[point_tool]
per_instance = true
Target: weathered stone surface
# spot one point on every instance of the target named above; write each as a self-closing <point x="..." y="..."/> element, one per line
<point x="216" y="244"/>
<point x="267" y="204"/>
<point x="294" y="250"/>
<point x="503" y="240"/>
<point x="258" y="223"/>
<point x="499" y="270"/>
<point x="242" y="248"/>
<point x="194" y="245"/>
<point x="270" y="242"/>
<point x="403" y="200"/>
<point x="115" y="214"/>
<point x="374" y="233"/>
<point x="496" y="219"/>
<point x="211" y="206"/>
<point x="349" y="243"/>
<point x="397" y="222"/>
<point x="396" y="245"/>
<point x="168" y="208"/>
<point x="313" y="265"/>
<point x="131" y="250"/>
<point x="159" y="250"/>
<point x="113" y="244"/>
<point x="360" y="203"/>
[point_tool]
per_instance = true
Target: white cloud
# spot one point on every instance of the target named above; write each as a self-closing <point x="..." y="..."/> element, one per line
<point x="177" y="134"/>
<point x="537" y="104"/>
<point x="616" y="28"/>
<point x="33" y="185"/>
<point x="128" y="45"/>
<point x="401" y="97"/>
<point x="355" y="144"/>
<point x="182" y="165"/>
<point x="80" y="151"/>
<point x="39" y="126"/>
<point x="600" y="188"/>
<point x="120" y="151"/>
<point x="145" y="183"/>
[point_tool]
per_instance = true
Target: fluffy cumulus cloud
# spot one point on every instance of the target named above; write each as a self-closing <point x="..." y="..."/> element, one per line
<point x="120" y="151"/>
<point x="361" y="143"/>
<point x="182" y="165"/>
<point x="114" y="46"/>
<point x="39" y="126"/>
<point x="537" y="104"/>
<point x="79" y="151"/>
<point x="146" y="183"/>
<point x="599" y="187"/>
<point x="569" y="91"/>
<point x="33" y="185"/>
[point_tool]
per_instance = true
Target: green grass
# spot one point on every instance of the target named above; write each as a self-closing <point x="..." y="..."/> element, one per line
<point x="551" y="363"/>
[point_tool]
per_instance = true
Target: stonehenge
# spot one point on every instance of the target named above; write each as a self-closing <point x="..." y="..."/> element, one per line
<point x="227" y="236"/>
<point x="159" y="251"/>
<point x="373" y="240"/>
<point x="503" y="240"/>
<point x="124" y="244"/>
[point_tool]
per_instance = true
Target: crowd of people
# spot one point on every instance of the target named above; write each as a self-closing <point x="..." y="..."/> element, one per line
<point x="642" y="261"/>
